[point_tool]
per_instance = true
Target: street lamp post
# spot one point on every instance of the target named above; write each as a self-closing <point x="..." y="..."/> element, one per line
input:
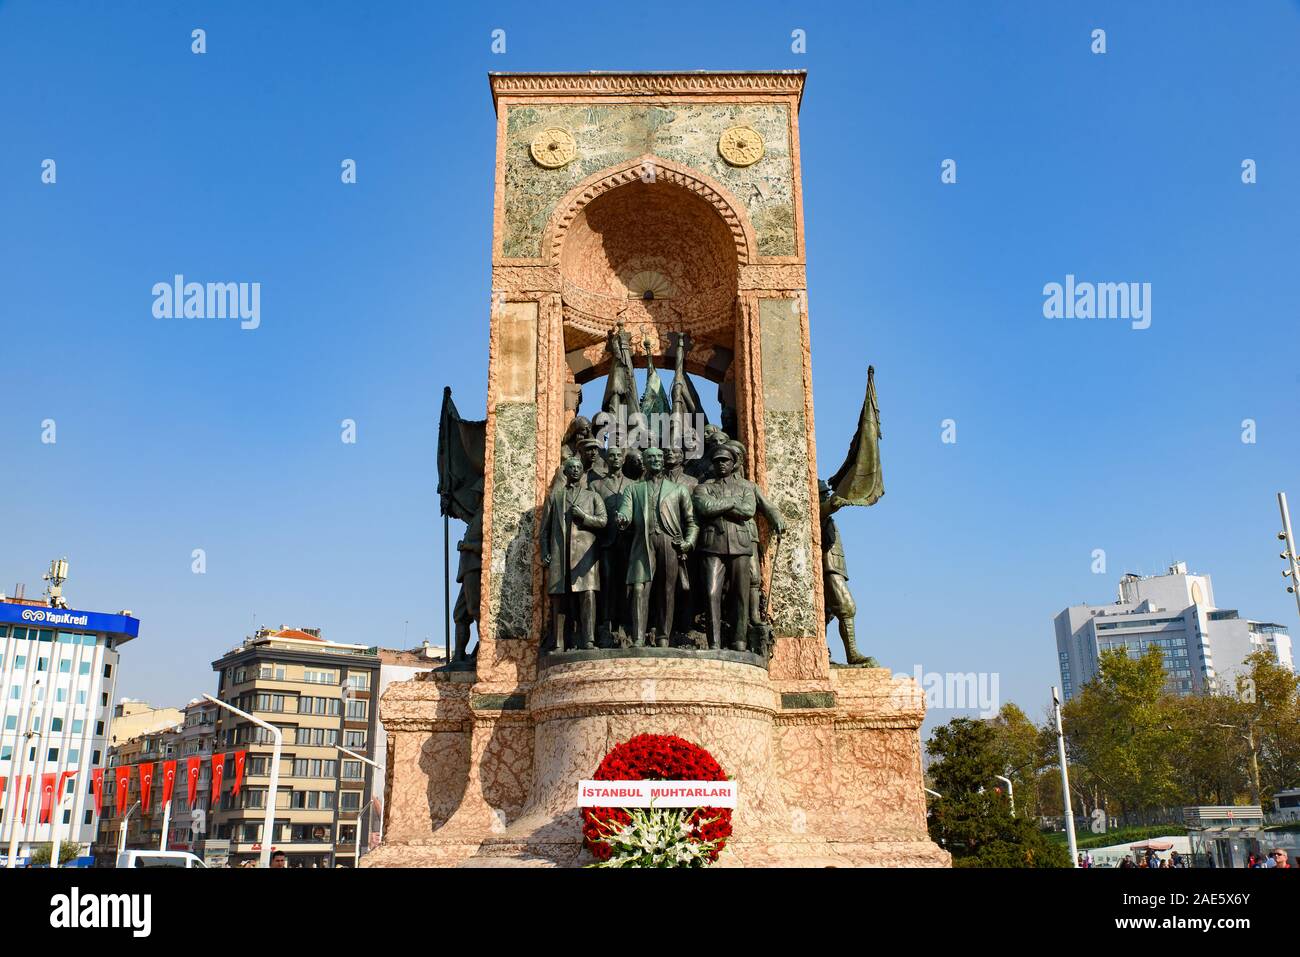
<point x="121" y="833"/>
<point x="1292" y="571"/>
<point x="356" y="854"/>
<point x="277" y="739"/>
<point x="1065" y="781"/>
<point x="1011" y="791"/>
<point x="20" y="799"/>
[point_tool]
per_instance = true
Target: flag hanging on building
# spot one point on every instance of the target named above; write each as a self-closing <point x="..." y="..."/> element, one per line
<point x="859" y="480"/>
<point x="63" y="786"/>
<point x="192" y="777"/>
<point x="169" y="781"/>
<point x="121" y="784"/>
<point x="3" y="781"/>
<point x="146" y="785"/>
<point x="97" y="786"/>
<point x="218" y="772"/>
<point x="48" y="783"/>
<point x="241" y="757"/>
<point x="27" y="793"/>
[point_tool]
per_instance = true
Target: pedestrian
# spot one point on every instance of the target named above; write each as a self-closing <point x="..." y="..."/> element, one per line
<point x="1278" y="858"/>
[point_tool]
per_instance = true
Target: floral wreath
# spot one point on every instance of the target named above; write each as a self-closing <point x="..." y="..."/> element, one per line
<point x="658" y="757"/>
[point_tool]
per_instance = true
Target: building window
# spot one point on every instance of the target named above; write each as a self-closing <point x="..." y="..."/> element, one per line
<point x="354" y="739"/>
<point x="56" y="724"/>
<point x="83" y="668"/>
<point x="52" y="754"/>
<point x="351" y="770"/>
<point x="357" y="710"/>
<point x="6" y="752"/>
<point x="78" y="725"/>
<point x="108" y="670"/>
<point x="65" y="666"/>
<point x="11" y="722"/>
<point x="359" y="681"/>
<point x="350" y="801"/>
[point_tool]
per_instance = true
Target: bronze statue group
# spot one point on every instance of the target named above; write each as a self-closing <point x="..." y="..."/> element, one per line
<point x="645" y="548"/>
<point x="655" y="542"/>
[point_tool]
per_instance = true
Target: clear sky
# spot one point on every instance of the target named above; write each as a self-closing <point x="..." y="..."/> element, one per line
<point x="1072" y="435"/>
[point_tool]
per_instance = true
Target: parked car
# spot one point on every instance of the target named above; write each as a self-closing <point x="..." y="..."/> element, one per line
<point x="158" y="859"/>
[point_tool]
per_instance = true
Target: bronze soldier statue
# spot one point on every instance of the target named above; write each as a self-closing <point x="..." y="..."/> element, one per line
<point x="570" y="520"/>
<point x="774" y="521"/>
<point x="726" y="505"/>
<point x="835" y="579"/>
<point x="662" y="519"/>
<point x="469" y="574"/>
<point x="614" y="545"/>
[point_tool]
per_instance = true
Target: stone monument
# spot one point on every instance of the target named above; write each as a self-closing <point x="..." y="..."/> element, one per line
<point x="655" y="221"/>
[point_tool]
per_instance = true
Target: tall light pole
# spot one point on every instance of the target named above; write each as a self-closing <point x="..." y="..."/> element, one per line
<point x="1011" y="791"/>
<point x="121" y="832"/>
<point x="1292" y="571"/>
<point x="21" y="799"/>
<point x="1065" y="781"/>
<point x="356" y="853"/>
<point x="277" y="740"/>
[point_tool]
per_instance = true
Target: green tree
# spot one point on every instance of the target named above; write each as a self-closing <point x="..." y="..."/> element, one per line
<point x="972" y="819"/>
<point x="1119" y="728"/>
<point x="1270" y="696"/>
<point x="67" y="852"/>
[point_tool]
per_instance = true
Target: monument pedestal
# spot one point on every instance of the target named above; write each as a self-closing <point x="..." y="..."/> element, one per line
<point x="828" y="775"/>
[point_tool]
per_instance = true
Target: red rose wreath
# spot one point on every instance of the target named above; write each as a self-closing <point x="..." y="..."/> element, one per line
<point x="657" y="757"/>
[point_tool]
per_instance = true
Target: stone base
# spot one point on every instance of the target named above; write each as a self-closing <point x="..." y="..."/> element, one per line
<point x="829" y="771"/>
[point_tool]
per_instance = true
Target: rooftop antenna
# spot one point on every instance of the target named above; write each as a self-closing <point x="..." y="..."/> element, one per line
<point x="56" y="576"/>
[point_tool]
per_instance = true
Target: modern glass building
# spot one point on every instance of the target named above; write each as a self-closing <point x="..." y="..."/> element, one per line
<point x="58" y="671"/>
<point x="1203" y="647"/>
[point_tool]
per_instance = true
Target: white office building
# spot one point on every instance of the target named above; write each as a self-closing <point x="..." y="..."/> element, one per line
<point x="1204" y="646"/>
<point x="58" y="671"/>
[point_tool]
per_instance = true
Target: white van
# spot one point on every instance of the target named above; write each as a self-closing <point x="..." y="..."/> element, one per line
<point x="158" y="859"/>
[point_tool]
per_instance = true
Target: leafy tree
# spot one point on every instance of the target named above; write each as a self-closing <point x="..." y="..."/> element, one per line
<point x="972" y="819"/>
<point x="1022" y="750"/>
<point x="1119" y="728"/>
<point x="1271" y="702"/>
<point x="67" y="852"/>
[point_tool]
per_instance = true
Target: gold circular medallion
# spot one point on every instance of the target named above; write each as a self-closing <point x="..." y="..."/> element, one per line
<point x="553" y="148"/>
<point x="741" y="146"/>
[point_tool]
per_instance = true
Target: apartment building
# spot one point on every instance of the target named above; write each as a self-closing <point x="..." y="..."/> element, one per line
<point x="318" y="693"/>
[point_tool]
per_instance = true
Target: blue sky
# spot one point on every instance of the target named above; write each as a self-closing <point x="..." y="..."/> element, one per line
<point x="1072" y="435"/>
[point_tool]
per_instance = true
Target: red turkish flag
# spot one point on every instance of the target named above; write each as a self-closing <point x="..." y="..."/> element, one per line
<point x="97" y="785"/>
<point x="122" y="785"/>
<point x="240" y="758"/>
<point x="27" y="793"/>
<point x="169" y="781"/>
<point x="63" y="780"/>
<point x="146" y="784"/>
<point x="48" y="783"/>
<point x="3" y="781"/>
<point x="218" y="772"/>
<point x="192" y="777"/>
